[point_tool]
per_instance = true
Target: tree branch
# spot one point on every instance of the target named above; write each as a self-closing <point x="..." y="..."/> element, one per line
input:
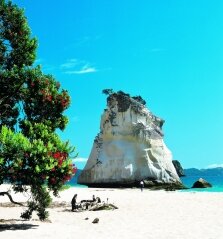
<point x="10" y="198"/>
<point x="4" y="98"/>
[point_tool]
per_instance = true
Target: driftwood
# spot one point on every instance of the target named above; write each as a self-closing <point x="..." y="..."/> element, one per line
<point x="91" y="205"/>
<point x="10" y="198"/>
<point x="102" y="206"/>
<point x="94" y="207"/>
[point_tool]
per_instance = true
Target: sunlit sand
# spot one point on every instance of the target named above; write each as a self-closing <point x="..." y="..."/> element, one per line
<point x="147" y="214"/>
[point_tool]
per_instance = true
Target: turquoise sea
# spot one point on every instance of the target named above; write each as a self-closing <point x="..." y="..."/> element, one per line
<point x="216" y="181"/>
<point x="76" y="185"/>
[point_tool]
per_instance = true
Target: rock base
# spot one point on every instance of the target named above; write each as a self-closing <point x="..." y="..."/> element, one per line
<point x="153" y="185"/>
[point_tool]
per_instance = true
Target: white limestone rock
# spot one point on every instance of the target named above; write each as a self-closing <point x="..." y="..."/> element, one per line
<point x="129" y="147"/>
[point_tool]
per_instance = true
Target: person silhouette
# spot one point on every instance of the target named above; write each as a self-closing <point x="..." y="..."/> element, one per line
<point x="141" y="185"/>
<point x="73" y="202"/>
<point x="93" y="198"/>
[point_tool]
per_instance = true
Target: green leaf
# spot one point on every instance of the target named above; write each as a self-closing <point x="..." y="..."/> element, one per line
<point x="37" y="169"/>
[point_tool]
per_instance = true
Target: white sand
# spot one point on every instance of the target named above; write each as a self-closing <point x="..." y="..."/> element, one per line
<point x="147" y="214"/>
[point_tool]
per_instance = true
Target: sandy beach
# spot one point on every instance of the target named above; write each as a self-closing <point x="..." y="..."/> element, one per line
<point x="147" y="214"/>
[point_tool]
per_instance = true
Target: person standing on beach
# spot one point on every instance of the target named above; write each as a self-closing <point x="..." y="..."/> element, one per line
<point x="141" y="185"/>
<point x="73" y="202"/>
<point x="94" y="199"/>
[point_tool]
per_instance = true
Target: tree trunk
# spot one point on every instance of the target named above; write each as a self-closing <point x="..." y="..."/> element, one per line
<point x="10" y="198"/>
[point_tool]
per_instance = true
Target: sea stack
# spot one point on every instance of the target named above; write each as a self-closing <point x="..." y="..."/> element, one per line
<point x="129" y="147"/>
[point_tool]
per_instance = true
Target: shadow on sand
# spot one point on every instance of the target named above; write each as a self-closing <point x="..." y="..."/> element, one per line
<point x="13" y="226"/>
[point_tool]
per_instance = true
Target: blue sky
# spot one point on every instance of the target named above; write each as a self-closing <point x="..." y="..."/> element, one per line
<point x="169" y="52"/>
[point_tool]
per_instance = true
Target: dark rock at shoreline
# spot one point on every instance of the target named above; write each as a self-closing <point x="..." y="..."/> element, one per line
<point x="201" y="183"/>
<point x="178" y="168"/>
<point x="156" y="185"/>
<point x="148" y="183"/>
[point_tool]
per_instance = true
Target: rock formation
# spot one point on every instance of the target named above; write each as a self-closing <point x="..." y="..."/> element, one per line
<point x="178" y="168"/>
<point x="201" y="183"/>
<point x="129" y="147"/>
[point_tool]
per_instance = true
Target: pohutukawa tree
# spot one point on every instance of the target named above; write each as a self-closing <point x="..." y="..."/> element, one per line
<point x="32" y="156"/>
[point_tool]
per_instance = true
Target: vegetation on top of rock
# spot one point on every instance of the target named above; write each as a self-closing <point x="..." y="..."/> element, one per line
<point x="125" y="100"/>
<point x="107" y="91"/>
<point x="139" y="99"/>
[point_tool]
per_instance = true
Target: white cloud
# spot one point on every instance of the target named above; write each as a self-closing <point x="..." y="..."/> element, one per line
<point x="71" y="63"/>
<point x="83" y="70"/>
<point x="80" y="160"/>
<point x="75" y="66"/>
<point x="215" y="166"/>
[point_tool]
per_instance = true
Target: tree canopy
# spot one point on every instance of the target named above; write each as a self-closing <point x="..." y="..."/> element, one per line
<point x="32" y="105"/>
